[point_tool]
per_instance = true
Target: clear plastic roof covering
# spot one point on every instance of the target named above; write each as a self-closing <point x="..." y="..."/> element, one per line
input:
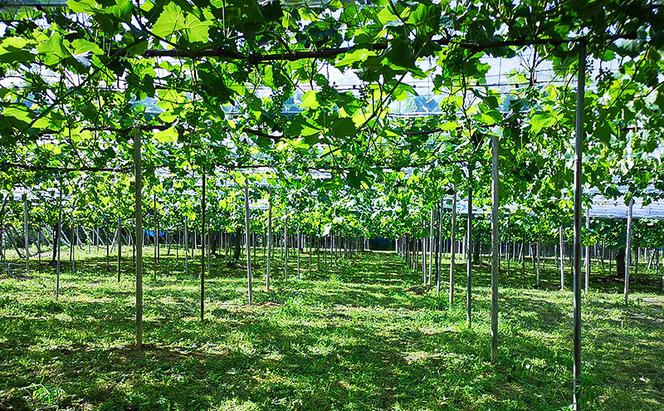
<point x="610" y="208"/>
<point x="601" y="208"/>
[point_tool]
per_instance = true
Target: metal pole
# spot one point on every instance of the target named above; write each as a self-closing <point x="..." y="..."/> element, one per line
<point x="299" y="276"/>
<point x="423" y="248"/>
<point x="286" y="248"/>
<point x="587" y="260"/>
<point x="539" y="250"/>
<point x="580" y="94"/>
<point x="452" y="248"/>
<point x="495" y="250"/>
<point x="186" y="247"/>
<point x="439" y="245"/>
<point x="156" y="234"/>
<point x="26" y="234"/>
<point x="628" y="248"/>
<point x="138" y="216"/>
<point x="119" y="240"/>
<point x="203" y="247"/>
<point x="269" y="243"/>
<point x="562" y="258"/>
<point x="469" y="249"/>
<point x="431" y="246"/>
<point x="58" y="241"/>
<point x="247" y="239"/>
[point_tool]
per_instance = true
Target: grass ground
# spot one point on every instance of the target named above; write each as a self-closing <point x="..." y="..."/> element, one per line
<point x="361" y="335"/>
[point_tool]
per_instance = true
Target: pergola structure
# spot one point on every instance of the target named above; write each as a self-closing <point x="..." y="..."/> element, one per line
<point x="416" y="106"/>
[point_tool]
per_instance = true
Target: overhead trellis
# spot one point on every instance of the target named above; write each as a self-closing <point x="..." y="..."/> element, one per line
<point x="242" y="88"/>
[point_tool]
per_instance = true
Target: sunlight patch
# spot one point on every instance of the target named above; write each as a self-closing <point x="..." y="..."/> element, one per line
<point x="420" y="356"/>
<point x="236" y="405"/>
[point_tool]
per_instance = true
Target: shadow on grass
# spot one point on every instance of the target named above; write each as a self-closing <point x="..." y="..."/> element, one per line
<point x="350" y="336"/>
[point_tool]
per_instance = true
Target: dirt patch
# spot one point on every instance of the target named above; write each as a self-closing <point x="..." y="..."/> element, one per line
<point x="419" y="290"/>
<point x="267" y="304"/>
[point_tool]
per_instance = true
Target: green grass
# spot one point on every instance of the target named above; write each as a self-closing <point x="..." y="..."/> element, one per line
<point x="361" y="335"/>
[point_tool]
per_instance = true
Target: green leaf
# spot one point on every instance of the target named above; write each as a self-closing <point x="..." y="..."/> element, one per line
<point x="354" y="178"/>
<point x="170" y="135"/>
<point x="309" y="131"/>
<point x="449" y="126"/>
<point x="603" y="132"/>
<point x="80" y="46"/>
<point x="425" y="17"/>
<point x="121" y="9"/>
<point x="300" y="127"/>
<point x="298" y="143"/>
<point x="344" y="127"/>
<point x="167" y="117"/>
<point x="15" y="50"/>
<point x="170" y="20"/>
<point x="490" y="117"/>
<point x="82" y="6"/>
<point x="385" y="16"/>
<point x="138" y="48"/>
<point x="14" y="42"/>
<point x="20" y="114"/>
<point x="399" y="55"/>
<point x="403" y="91"/>
<point x="541" y="120"/>
<point x="53" y="51"/>
<point x="309" y="100"/>
<point x="197" y="31"/>
<point x="358" y="55"/>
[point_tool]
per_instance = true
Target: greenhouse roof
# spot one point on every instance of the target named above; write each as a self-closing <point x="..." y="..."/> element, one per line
<point x="601" y="208"/>
<point x="616" y="208"/>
